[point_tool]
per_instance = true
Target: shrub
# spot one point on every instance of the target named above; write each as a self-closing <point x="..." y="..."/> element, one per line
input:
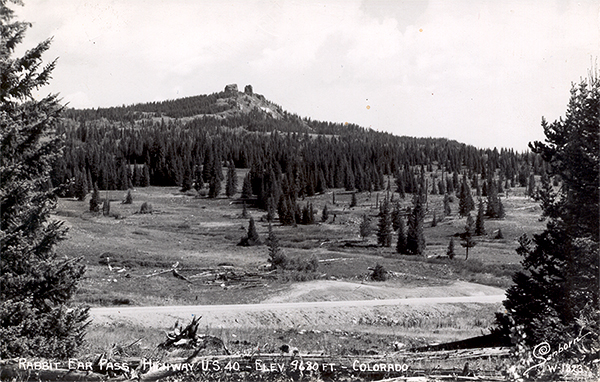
<point x="146" y="208"/>
<point x="379" y="273"/>
<point x="128" y="198"/>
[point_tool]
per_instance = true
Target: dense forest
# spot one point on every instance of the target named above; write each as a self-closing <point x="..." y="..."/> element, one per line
<point x="289" y="157"/>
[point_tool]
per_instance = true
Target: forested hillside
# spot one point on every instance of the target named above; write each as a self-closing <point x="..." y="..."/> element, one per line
<point x="187" y="142"/>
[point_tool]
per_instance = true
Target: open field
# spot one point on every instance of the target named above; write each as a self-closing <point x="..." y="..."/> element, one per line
<point x="203" y="234"/>
<point x="125" y="252"/>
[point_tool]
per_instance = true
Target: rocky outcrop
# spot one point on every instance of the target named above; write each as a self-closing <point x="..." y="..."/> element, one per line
<point x="231" y="89"/>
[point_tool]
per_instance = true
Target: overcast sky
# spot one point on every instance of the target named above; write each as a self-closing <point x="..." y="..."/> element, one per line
<point x="480" y="72"/>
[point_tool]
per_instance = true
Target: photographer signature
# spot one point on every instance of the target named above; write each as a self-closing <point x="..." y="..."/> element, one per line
<point x="544" y="353"/>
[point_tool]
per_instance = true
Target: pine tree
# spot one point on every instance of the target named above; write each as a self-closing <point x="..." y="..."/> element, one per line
<point x="95" y="200"/>
<point x="247" y="187"/>
<point x="494" y="204"/>
<point x="198" y="179"/>
<point x="106" y="207"/>
<point x="231" y="182"/>
<point x="244" y="211"/>
<point x="531" y="190"/>
<point x="415" y="239"/>
<point x="80" y="186"/>
<point x="479" y="224"/>
<point x="384" y="227"/>
<point x="188" y="181"/>
<point x="401" y="242"/>
<point x="447" y="209"/>
<point x="145" y="178"/>
<point x="325" y="214"/>
<point x="36" y="283"/>
<point x="465" y="203"/>
<point x="450" y="251"/>
<point x="365" y="227"/>
<point x="353" y="201"/>
<point x="214" y="184"/>
<point x="434" y="220"/>
<point x="556" y="298"/>
<point x="396" y="216"/>
<point x="467" y="240"/>
<point x="252" y="238"/>
<point x="277" y="258"/>
<point x="128" y="198"/>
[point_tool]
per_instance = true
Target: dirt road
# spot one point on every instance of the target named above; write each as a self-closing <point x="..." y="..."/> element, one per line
<point x="278" y="314"/>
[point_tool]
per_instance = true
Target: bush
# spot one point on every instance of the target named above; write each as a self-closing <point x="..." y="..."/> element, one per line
<point x="128" y="198"/>
<point x="379" y="273"/>
<point x="146" y="208"/>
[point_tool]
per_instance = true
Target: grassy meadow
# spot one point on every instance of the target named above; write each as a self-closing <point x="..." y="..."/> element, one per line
<point x="122" y="250"/>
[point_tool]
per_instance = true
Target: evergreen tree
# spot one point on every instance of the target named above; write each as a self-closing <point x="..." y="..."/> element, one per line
<point x="252" y="238"/>
<point x="555" y="299"/>
<point x="353" y="200"/>
<point x="80" y="186"/>
<point x="401" y="242"/>
<point x="231" y="182"/>
<point x="36" y="283"/>
<point x="450" y="251"/>
<point x="434" y="220"/>
<point x="244" y="211"/>
<point x="467" y="240"/>
<point x="479" y="224"/>
<point x="447" y="209"/>
<point x="325" y="214"/>
<point x="145" y="178"/>
<point x="95" y="200"/>
<point x="465" y="203"/>
<point x="384" y="227"/>
<point x="495" y="209"/>
<point x="415" y="239"/>
<point x="128" y="198"/>
<point x="137" y="176"/>
<point x="531" y="186"/>
<point x="365" y="227"/>
<point x="198" y="179"/>
<point x="106" y="207"/>
<point x="188" y="181"/>
<point x="247" y="187"/>
<point x="396" y="216"/>
<point x="277" y="258"/>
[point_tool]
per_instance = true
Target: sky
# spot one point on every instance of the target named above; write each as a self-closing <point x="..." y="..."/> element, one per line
<point x="480" y="72"/>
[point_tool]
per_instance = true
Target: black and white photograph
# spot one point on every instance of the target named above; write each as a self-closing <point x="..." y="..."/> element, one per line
<point x="287" y="191"/>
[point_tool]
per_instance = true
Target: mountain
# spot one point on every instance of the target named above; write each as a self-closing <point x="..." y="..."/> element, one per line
<point x="186" y="142"/>
<point x="246" y="109"/>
